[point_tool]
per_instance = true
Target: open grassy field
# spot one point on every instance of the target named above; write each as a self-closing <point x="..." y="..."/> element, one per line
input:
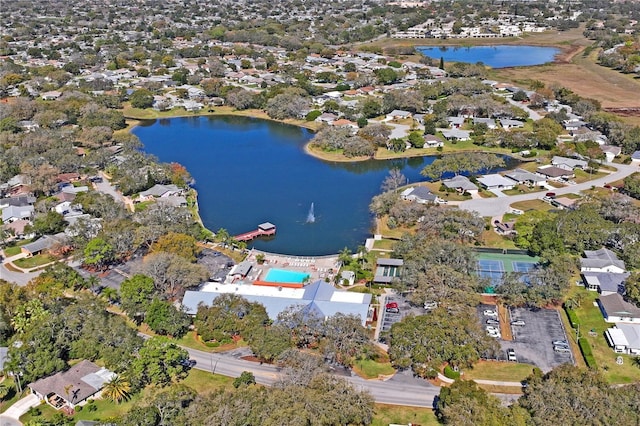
<point x="394" y="414"/>
<point x="532" y="205"/>
<point x="32" y="262"/>
<point x="499" y="370"/>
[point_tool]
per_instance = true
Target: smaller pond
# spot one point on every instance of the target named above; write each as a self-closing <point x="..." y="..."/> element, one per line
<point x="499" y="56"/>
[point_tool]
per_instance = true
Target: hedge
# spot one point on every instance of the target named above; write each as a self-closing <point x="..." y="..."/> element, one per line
<point x="573" y="318"/>
<point x="450" y="374"/>
<point x="585" y="348"/>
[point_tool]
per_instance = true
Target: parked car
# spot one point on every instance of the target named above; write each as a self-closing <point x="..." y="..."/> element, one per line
<point x="492" y="321"/>
<point x="430" y="305"/>
<point x="561" y="349"/>
<point x="511" y="355"/>
<point x="492" y="328"/>
<point x="550" y="194"/>
<point x="493" y="333"/>
<point x="490" y="313"/>
<point x="560" y="343"/>
<point x="392" y="307"/>
<point x="517" y="322"/>
<point x="190" y="363"/>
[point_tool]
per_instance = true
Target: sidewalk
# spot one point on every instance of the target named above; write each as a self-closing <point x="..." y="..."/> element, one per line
<point x="12" y="415"/>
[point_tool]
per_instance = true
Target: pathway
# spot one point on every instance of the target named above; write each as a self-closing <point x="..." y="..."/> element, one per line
<point x="535" y="116"/>
<point x="11" y="417"/>
<point x="492" y="207"/>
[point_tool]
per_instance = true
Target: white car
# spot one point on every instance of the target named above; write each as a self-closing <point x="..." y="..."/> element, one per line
<point x="490" y="313"/>
<point x="493" y="333"/>
<point x="517" y="322"/>
<point x="492" y="328"/>
<point x="511" y="355"/>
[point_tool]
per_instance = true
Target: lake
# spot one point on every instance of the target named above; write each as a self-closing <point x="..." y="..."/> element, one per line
<point x="499" y="56"/>
<point x="249" y="171"/>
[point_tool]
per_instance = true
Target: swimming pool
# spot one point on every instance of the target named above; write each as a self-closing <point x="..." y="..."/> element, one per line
<point x="285" y="276"/>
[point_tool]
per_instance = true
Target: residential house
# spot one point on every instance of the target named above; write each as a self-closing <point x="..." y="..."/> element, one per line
<point x="615" y="309"/>
<point x="461" y="184"/>
<point x="604" y="283"/>
<point x="555" y="173"/>
<point x="525" y="177"/>
<point x="508" y="124"/>
<point x="72" y="387"/>
<point x="432" y="141"/>
<point x="3" y="357"/>
<point x="159" y="191"/>
<point x="490" y="122"/>
<point x="398" y="114"/>
<point x="51" y="96"/>
<point x="635" y="157"/>
<point x="18" y="229"/>
<point x="23" y="200"/>
<point x="348" y="276"/>
<point x="603" y="260"/>
<point x="14" y="213"/>
<point x="318" y="298"/>
<point x="387" y="270"/>
<point x="240" y="271"/>
<point x="456" y="135"/>
<point x="455" y="122"/>
<point x="419" y="194"/>
<point x="43" y="244"/>
<point x="610" y="152"/>
<point x="327" y="117"/>
<point x="568" y="163"/>
<point x="495" y="181"/>
<point x="624" y="338"/>
<point x="564" y="203"/>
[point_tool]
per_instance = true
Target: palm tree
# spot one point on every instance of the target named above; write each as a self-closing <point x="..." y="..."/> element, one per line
<point x="4" y="391"/>
<point x="117" y="389"/>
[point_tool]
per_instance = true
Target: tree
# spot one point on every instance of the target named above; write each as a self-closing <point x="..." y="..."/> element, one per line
<point x="287" y="105"/>
<point x="230" y="315"/>
<point x="246" y="378"/>
<point x="172" y="274"/>
<point x="426" y="342"/>
<point x="462" y="162"/>
<point x="632" y="288"/>
<point x="240" y="98"/>
<point x="50" y="222"/>
<point x="179" y="244"/>
<point x="98" y="253"/>
<point x="416" y="139"/>
<point x="632" y="185"/>
<point x="386" y="75"/>
<point x="163" y="318"/>
<point x="158" y="362"/>
<point x="393" y="181"/>
<point x="117" y="389"/>
<point x="345" y="339"/>
<point x="141" y="98"/>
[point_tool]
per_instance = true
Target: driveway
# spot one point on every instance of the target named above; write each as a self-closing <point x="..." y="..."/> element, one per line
<point x="12" y="415"/>
<point x="20" y="278"/>
<point x="532" y="114"/>
<point x="490" y="207"/>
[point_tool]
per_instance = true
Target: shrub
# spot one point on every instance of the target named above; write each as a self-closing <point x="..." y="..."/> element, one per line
<point x="450" y="373"/>
<point x="585" y="348"/>
<point x="312" y="115"/>
<point x="573" y="318"/>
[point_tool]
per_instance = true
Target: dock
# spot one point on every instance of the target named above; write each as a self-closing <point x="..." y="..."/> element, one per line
<point x="264" y="230"/>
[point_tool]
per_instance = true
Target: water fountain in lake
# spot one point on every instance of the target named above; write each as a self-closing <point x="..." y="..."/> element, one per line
<point x="311" y="217"/>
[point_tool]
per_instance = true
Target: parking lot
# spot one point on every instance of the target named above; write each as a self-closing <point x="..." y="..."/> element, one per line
<point x="532" y="342"/>
<point x="390" y="318"/>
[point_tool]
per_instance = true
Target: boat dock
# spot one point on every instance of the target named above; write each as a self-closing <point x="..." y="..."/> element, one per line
<point x="264" y="230"/>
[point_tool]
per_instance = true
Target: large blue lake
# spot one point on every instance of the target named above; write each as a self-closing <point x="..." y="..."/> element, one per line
<point x="500" y="56"/>
<point x="249" y="171"/>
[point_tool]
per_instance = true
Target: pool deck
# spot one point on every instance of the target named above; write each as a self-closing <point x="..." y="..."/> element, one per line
<point x="318" y="267"/>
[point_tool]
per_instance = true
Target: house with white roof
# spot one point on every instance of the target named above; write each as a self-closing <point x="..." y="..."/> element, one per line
<point x="456" y="134"/>
<point x="14" y="213"/>
<point x="615" y="309"/>
<point x="635" y="157"/>
<point x="398" y="114"/>
<point x="455" y="122"/>
<point x="624" y="338"/>
<point x="319" y="298"/>
<point x="490" y="122"/>
<point x="419" y="194"/>
<point x="525" y="177"/>
<point x="495" y="181"/>
<point x="568" y="163"/>
<point x="461" y="184"/>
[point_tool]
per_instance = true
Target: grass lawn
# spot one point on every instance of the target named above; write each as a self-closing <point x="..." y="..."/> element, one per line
<point x="138" y="207"/>
<point x="365" y="289"/>
<point x="523" y="189"/>
<point x="395" y="414"/>
<point x="190" y="340"/>
<point x="591" y="319"/>
<point x="532" y="205"/>
<point x="582" y="176"/>
<point x="370" y="369"/>
<point x="205" y="382"/>
<point x="449" y="196"/>
<point x="384" y="244"/>
<point x="12" y="251"/>
<point x="498" y="370"/>
<point x="556" y="184"/>
<point x="493" y="239"/>
<point x="32" y="262"/>
<point x="383" y="229"/>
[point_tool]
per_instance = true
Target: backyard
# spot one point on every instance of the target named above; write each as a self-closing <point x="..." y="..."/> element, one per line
<point x="592" y="327"/>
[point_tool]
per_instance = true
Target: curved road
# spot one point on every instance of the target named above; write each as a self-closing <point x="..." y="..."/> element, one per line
<point x="401" y="389"/>
<point x="492" y="207"/>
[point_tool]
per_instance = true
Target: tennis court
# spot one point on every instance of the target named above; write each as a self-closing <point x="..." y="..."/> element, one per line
<point x="494" y="265"/>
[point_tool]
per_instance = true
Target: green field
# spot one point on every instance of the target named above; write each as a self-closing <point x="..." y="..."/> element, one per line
<point x="394" y="414"/>
<point x="498" y="370"/>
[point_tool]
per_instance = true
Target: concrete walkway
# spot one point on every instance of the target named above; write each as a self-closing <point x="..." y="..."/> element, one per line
<point x="11" y="417"/>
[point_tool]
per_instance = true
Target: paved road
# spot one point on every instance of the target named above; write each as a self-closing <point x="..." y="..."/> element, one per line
<point x="20" y="278"/>
<point x="532" y="114"/>
<point x="491" y="207"/>
<point x="402" y="389"/>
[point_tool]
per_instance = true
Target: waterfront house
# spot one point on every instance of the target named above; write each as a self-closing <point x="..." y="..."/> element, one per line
<point x="525" y="177"/>
<point x="461" y="184"/>
<point x="419" y="194"/>
<point x="495" y="181"/>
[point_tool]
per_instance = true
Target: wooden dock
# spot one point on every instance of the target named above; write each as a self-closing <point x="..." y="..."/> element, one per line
<point x="266" y="229"/>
